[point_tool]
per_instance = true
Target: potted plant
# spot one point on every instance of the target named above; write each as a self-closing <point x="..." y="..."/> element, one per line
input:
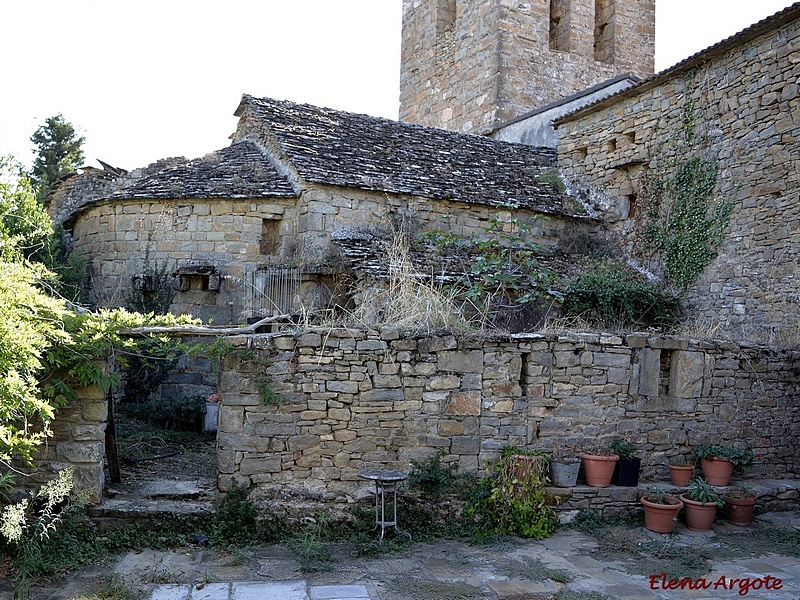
<point x="718" y="462"/>
<point x="525" y="464"/>
<point x="741" y="502"/>
<point x="626" y="470"/>
<point x="564" y="470"/>
<point x="598" y="466"/>
<point x="660" y="510"/>
<point x="680" y="471"/>
<point x="700" y="504"/>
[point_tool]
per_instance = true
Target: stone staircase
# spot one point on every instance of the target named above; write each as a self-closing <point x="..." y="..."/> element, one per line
<point x="159" y="497"/>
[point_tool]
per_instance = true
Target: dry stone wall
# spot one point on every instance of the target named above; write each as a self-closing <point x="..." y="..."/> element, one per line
<point x="353" y="400"/>
<point x="737" y="107"/>
<point x="78" y="441"/>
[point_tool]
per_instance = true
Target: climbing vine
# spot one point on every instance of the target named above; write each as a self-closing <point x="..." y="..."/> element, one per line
<point x="684" y="220"/>
<point x="221" y="349"/>
<point x="685" y="217"/>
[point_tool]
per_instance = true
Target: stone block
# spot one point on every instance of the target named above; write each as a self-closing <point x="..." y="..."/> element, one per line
<point x="386" y="381"/>
<point x="339" y="414"/>
<point x="84" y="433"/>
<point x="464" y="403"/>
<point x="463" y="444"/>
<point x="81" y="452"/>
<point x="686" y="373"/>
<point x="302" y="442"/>
<point x="95" y="411"/>
<point x="470" y="361"/>
<point x="649" y="371"/>
<point x="344" y="435"/>
<point x="264" y="464"/>
<point x="231" y="418"/>
<point x="444" y="382"/>
<point x="382" y="395"/>
<point x="371" y="346"/>
<point x="436" y="344"/>
<point x="451" y="428"/>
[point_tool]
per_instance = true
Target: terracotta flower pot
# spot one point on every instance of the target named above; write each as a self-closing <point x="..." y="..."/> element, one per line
<point x="598" y="468"/>
<point x="740" y="510"/>
<point x="699" y="516"/>
<point x="661" y="518"/>
<point x="681" y="474"/>
<point x="717" y="471"/>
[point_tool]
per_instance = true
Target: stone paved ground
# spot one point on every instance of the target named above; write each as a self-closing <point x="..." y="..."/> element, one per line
<point x="446" y="570"/>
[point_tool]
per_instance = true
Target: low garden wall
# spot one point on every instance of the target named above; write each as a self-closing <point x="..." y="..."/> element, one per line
<point x="350" y="400"/>
<point x="78" y="441"/>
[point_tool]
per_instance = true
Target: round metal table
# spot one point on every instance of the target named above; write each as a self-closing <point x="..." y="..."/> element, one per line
<point x="386" y="481"/>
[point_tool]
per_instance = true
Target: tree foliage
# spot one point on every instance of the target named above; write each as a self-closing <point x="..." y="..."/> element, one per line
<point x="47" y="346"/>
<point x="25" y="226"/>
<point x="59" y="151"/>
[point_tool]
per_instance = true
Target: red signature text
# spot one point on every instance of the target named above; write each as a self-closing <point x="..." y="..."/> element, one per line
<point x="742" y="584"/>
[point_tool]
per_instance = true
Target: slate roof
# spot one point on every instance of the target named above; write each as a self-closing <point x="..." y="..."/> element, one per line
<point x="358" y="151"/>
<point x="239" y="171"/>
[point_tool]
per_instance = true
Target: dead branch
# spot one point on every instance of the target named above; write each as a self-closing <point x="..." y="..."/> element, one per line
<point x="180" y="330"/>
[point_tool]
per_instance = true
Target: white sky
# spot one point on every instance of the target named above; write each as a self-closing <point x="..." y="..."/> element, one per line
<point x="148" y="79"/>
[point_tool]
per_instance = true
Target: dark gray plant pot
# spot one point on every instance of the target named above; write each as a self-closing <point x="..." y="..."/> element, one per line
<point x="565" y="474"/>
<point x="626" y="472"/>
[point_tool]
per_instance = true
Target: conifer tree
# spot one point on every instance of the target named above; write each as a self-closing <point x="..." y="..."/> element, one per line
<point x="59" y="151"/>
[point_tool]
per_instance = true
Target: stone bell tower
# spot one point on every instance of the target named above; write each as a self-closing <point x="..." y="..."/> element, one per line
<point x="468" y="65"/>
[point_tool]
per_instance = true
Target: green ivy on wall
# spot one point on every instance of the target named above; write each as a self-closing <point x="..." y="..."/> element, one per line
<point x="685" y="220"/>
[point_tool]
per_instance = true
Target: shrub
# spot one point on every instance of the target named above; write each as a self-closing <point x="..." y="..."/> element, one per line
<point x="513" y="504"/>
<point x="614" y="296"/>
<point x="179" y="412"/>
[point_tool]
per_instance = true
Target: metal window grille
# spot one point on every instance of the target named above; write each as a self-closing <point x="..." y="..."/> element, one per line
<point x="274" y="290"/>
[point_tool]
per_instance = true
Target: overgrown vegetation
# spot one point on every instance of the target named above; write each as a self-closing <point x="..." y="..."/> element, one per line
<point x="28" y="525"/>
<point x="151" y="290"/>
<point x="513" y="500"/>
<point x="614" y="296"/>
<point x="496" y="271"/>
<point x="684" y="220"/>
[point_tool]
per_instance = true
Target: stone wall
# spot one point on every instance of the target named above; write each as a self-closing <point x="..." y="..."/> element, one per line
<point x="78" y="441"/>
<point x="469" y="65"/>
<point x="121" y="239"/>
<point x="738" y="107"/>
<point x="353" y="400"/>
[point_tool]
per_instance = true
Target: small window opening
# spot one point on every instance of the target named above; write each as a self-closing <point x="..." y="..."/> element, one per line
<point x="631" y="205"/>
<point x="604" y="29"/>
<point x="559" y="25"/>
<point x="663" y="372"/>
<point x="270" y="238"/>
<point x="445" y="16"/>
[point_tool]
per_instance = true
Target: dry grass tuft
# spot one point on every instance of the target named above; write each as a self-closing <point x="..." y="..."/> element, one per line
<point x="408" y="299"/>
